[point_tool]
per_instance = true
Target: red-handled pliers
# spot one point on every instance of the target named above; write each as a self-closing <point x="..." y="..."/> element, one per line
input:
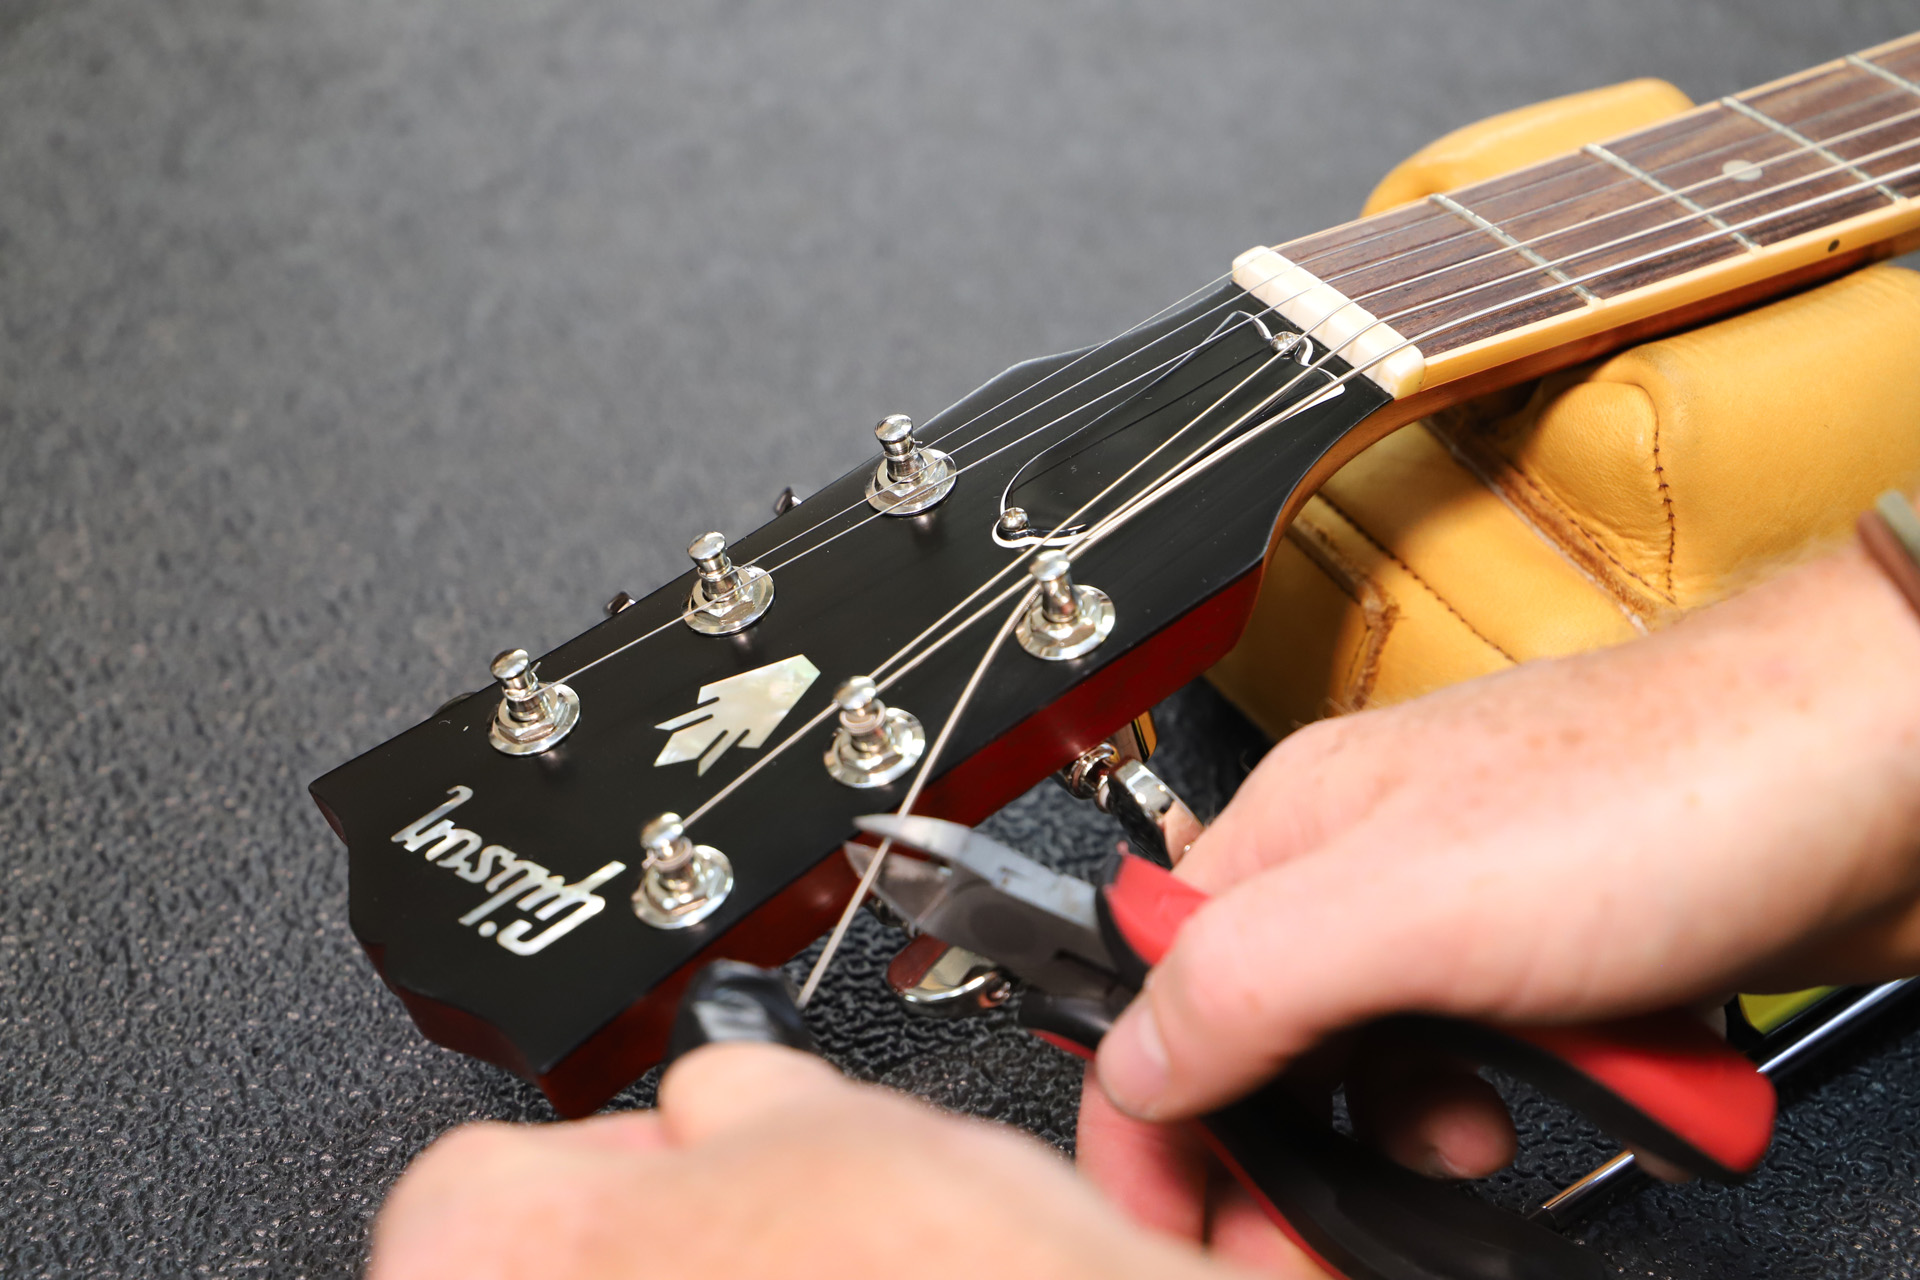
<point x="1663" y="1084"/>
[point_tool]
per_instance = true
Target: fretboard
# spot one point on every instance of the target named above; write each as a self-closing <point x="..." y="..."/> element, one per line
<point x="1766" y="186"/>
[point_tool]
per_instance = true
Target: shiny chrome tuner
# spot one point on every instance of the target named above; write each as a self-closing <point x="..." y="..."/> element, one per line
<point x="911" y="477"/>
<point x="1067" y="620"/>
<point x="681" y="883"/>
<point x="1158" y="823"/>
<point x="532" y="716"/>
<point x="875" y="743"/>
<point x="725" y="599"/>
<point x="938" y="981"/>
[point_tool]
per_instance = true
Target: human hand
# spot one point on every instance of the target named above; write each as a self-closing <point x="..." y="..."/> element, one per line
<point x="1731" y="803"/>
<point x="759" y="1162"/>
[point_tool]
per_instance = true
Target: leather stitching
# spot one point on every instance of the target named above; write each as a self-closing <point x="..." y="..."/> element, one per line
<point x="1666" y="497"/>
<point x="1499" y="473"/>
<point x="1378" y="611"/>
<point x="1444" y="602"/>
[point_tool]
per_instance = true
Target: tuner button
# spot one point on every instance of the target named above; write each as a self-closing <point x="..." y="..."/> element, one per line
<point x="1065" y="620"/>
<point x="725" y="599"/>
<point x="510" y="669"/>
<point x="620" y="603"/>
<point x="787" y="501"/>
<point x="875" y="743"/>
<point x="532" y="715"/>
<point x="895" y="434"/>
<point x="681" y="883"/>
<point x="911" y="477"/>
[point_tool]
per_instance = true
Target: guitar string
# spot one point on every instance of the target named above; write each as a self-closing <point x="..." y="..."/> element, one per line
<point x="881" y="675"/>
<point x="1153" y="493"/>
<point x="934" y="752"/>
<point x="1561" y="231"/>
<point x="872" y="516"/>
<point x="1171" y="481"/>
<point x="954" y="713"/>
<point x="1501" y="250"/>
<point x="1570" y="258"/>
<point x="1148" y="495"/>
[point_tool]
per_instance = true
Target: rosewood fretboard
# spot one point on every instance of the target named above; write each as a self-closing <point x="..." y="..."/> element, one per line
<point x="1735" y="192"/>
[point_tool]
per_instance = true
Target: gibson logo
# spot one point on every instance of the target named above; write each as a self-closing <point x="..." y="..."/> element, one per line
<point x="738" y="711"/>
<point x="528" y="886"/>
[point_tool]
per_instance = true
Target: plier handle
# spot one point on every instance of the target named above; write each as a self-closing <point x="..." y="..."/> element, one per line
<point x="1663" y="1084"/>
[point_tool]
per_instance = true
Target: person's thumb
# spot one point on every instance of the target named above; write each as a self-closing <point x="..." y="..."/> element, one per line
<point x="735" y="1085"/>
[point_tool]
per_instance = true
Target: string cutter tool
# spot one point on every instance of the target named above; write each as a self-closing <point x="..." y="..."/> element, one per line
<point x="1663" y="1084"/>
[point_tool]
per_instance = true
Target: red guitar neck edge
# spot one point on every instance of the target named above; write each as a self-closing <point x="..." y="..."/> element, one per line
<point x="626" y="1047"/>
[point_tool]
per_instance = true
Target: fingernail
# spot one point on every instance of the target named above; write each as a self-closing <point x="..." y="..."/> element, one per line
<point x="1133" y="1062"/>
<point x="1436" y="1165"/>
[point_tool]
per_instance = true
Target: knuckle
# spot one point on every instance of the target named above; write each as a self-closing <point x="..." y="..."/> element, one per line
<point x="477" y="1146"/>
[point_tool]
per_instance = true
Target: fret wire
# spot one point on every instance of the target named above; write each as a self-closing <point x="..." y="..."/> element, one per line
<point x="1307" y="259"/>
<point x="1628" y="167"/>
<point x="1461" y="211"/>
<point x="1509" y="241"/>
<point x="1891" y="77"/>
<point x="1411" y="310"/>
<point x="1753" y="222"/>
<point x="1701" y="211"/>
<point x="1468" y="215"/>
<point x="1171" y="480"/>
<point x="1637" y="205"/>
<point x="1634" y="170"/>
<point x="1678" y="191"/>
<point x="1788" y="131"/>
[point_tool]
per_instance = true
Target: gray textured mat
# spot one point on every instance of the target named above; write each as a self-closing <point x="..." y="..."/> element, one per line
<point x="293" y="296"/>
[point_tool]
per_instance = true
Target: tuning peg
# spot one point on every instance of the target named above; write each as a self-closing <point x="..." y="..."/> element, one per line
<point x="787" y="501"/>
<point x="725" y="598"/>
<point x="532" y="715"/>
<point x="911" y="476"/>
<point x="939" y="981"/>
<point x="875" y="743"/>
<point x="1114" y="775"/>
<point x="681" y="883"/>
<point x="1067" y="620"/>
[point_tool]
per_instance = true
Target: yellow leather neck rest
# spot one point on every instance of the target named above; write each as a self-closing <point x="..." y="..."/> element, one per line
<point x="1598" y="503"/>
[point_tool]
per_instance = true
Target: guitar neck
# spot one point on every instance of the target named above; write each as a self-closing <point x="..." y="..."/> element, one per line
<point x="1732" y="201"/>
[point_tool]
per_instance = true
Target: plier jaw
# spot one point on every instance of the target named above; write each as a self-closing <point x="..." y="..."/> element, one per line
<point x="974" y="892"/>
<point x="1661" y="1083"/>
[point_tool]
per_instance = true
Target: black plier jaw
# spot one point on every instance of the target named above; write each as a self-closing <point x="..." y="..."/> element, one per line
<point x="1663" y="1083"/>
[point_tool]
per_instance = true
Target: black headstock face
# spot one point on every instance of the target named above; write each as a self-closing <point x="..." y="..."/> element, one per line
<point x="511" y="932"/>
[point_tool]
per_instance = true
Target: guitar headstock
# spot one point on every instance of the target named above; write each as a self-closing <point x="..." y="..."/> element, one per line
<point x="497" y="873"/>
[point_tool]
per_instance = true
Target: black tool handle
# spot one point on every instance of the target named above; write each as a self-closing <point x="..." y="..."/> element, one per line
<point x="729" y="1001"/>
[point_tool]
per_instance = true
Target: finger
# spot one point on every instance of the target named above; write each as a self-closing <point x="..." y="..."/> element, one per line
<point x="488" y="1201"/>
<point x="722" y="1087"/>
<point x="629" y="1132"/>
<point x="1267" y="969"/>
<point x="1431" y="1115"/>
<point x="1156" y="1174"/>
<point x="1240" y="1231"/>
<point x="1306" y="792"/>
